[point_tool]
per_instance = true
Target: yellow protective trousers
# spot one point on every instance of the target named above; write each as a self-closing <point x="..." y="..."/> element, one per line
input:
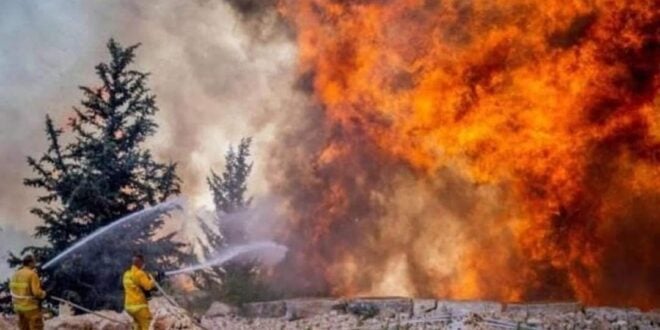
<point x="30" y="320"/>
<point x="141" y="318"/>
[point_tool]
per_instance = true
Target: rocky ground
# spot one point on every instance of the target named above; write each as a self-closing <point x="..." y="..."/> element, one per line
<point x="372" y="313"/>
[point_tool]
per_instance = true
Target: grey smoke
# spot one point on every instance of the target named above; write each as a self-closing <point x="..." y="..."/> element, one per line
<point x="214" y="82"/>
<point x="12" y="240"/>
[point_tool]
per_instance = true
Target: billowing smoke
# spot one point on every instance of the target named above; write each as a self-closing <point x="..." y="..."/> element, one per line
<point x="460" y="149"/>
<point x="215" y="83"/>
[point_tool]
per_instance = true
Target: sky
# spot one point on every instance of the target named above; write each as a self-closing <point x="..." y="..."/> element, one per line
<point x="202" y="58"/>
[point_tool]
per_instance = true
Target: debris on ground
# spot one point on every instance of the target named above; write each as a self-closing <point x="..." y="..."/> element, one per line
<point x="373" y="313"/>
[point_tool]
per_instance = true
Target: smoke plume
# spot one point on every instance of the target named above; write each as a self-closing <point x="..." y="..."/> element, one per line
<point x="459" y="149"/>
<point x="214" y="82"/>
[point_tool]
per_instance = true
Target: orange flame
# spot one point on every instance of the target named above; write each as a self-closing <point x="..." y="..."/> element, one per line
<point x="503" y="149"/>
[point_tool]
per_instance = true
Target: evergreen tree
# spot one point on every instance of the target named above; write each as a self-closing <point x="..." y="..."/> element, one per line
<point x="236" y="281"/>
<point x="230" y="187"/>
<point x="229" y="190"/>
<point x="102" y="173"/>
<point x="5" y="298"/>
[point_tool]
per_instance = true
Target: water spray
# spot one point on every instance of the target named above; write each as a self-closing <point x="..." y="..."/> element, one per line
<point x="223" y="257"/>
<point x="162" y="207"/>
<point x="219" y="260"/>
<point x="229" y="254"/>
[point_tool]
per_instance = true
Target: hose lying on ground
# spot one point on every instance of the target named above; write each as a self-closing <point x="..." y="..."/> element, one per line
<point x="171" y="301"/>
<point x="58" y="299"/>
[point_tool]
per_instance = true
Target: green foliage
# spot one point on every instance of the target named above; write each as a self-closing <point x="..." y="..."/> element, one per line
<point x="102" y="173"/>
<point x="230" y="187"/>
<point x="239" y="281"/>
<point x="241" y="284"/>
<point x="5" y="298"/>
<point x="229" y="190"/>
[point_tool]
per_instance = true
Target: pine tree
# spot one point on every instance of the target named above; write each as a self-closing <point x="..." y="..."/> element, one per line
<point x="229" y="190"/>
<point x="230" y="187"/>
<point x="102" y="173"/>
<point x="5" y="298"/>
<point x="236" y="281"/>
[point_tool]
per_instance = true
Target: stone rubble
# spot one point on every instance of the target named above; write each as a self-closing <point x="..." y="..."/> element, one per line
<point x="89" y="321"/>
<point x="168" y="317"/>
<point x="219" y="309"/>
<point x="391" y="313"/>
<point x="7" y="322"/>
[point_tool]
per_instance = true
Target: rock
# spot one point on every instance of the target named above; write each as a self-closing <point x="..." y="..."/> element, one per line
<point x="318" y="313"/>
<point x="308" y="307"/>
<point x="423" y="306"/>
<point x="653" y="316"/>
<point x="621" y="323"/>
<point x="167" y="316"/>
<point x="544" y="308"/>
<point x="291" y="315"/>
<point x="220" y="309"/>
<point x="364" y="310"/>
<point x="611" y="314"/>
<point x="7" y="322"/>
<point x="64" y="310"/>
<point x="472" y="319"/>
<point x="388" y="306"/>
<point x="468" y="306"/>
<point x="89" y="321"/>
<point x="264" y="309"/>
<point x="193" y="298"/>
<point x="68" y="322"/>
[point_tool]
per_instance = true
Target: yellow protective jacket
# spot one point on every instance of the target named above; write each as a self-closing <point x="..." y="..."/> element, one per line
<point x="26" y="291"/>
<point x="136" y="282"/>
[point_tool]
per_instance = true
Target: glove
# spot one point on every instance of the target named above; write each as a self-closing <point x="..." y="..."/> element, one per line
<point x="160" y="276"/>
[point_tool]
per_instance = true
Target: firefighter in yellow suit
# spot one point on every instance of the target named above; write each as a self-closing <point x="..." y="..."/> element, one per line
<point x="136" y="283"/>
<point x="27" y="294"/>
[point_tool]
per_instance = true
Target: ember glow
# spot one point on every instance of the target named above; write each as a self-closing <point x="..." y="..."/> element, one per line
<point x="479" y="149"/>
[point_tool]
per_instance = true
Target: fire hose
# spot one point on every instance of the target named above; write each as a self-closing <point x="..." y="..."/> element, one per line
<point x="64" y="301"/>
<point x="61" y="300"/>
<point x="175" y="304"/>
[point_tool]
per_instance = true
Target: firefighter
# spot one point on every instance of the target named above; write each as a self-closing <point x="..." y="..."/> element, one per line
<point x="137" y="284"/>
<point x="27" y="294"/>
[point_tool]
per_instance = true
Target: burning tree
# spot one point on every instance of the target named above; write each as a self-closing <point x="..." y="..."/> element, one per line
<point x="102" y="173"/>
